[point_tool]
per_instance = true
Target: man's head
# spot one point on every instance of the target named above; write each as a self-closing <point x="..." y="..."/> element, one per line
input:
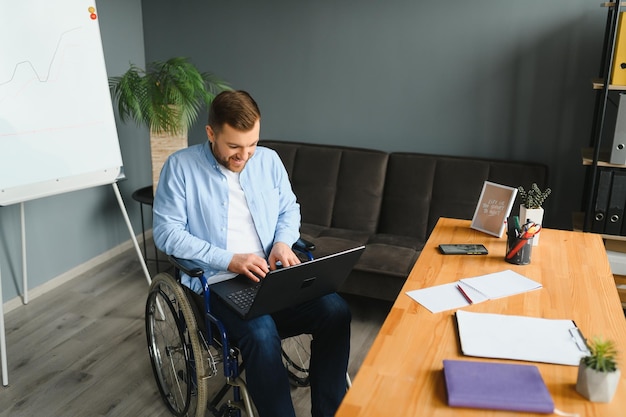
<point x="233" y="129"/>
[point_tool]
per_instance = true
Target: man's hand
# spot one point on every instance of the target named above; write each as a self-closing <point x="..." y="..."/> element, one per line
<point x="281" y="252"/>
<point x="250" y="265"/>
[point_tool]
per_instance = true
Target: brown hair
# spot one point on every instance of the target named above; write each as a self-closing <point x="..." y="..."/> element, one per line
<point x="234" y="108"/>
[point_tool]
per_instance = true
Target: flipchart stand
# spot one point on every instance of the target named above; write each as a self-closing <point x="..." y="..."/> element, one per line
<point x="3" y="350"/>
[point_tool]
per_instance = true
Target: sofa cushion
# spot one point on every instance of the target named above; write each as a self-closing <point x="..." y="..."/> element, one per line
<point x="421" y="188"/>
<point x="387" y="259"/>
<point x="360" y="190"/>
<point x="337" y="186"/>
<point x="331" y="240"/>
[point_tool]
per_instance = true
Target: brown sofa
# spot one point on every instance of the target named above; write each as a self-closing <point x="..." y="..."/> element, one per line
<point x="389" y="202"/>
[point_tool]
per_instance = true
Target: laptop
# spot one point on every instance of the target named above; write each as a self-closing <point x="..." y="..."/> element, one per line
<point x="288" y="286"/>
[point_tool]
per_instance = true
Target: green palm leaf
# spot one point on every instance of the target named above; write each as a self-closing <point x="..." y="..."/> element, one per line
<point x="167" y="96"/>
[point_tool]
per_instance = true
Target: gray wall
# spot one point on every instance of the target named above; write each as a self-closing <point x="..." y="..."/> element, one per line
<point x="67" y="230"/>
<point x="503" y="79"/>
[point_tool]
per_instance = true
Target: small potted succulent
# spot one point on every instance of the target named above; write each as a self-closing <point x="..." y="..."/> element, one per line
<point x="598" y="374"/>
<point x="531" y="207"/>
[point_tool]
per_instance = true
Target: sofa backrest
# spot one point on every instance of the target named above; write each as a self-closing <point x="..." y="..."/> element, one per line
<point x="400" y="193"/>
<point x="421" y="188"/>
<point x="336" y="186"/>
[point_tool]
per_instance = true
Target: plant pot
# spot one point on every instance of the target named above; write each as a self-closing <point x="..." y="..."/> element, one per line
<point x="162" y="145"/>
<point x="535" y="215"/>
<point x="596" y="386"/>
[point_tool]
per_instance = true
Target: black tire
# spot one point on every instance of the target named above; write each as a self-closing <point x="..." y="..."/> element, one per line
<point x="296" y="357"/>
<point x="176" y="354"/>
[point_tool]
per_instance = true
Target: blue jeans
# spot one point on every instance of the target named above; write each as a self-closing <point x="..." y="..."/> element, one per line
<point x="327" y="319"/>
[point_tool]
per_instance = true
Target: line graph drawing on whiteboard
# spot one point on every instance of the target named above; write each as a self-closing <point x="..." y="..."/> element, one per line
<point x="56" y="117"/>
<point x="38" y="76"/>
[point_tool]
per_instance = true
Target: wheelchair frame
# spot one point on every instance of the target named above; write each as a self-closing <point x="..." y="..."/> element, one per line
<point x="184" y="356"/>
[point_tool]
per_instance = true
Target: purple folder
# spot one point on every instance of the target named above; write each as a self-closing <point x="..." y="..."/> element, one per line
<point x="496" y="386"/>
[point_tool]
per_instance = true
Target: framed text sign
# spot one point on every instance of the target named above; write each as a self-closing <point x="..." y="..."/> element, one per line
<point x="494" y="206"/>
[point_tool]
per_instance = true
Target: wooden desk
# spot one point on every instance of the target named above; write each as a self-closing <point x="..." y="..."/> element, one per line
<point x="402" y="373"/>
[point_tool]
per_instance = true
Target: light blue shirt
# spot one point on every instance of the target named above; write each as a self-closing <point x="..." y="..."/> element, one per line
<point x="190" y="213"/>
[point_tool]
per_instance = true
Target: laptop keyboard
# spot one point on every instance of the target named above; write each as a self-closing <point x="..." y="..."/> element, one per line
<point x="244" y="298"/>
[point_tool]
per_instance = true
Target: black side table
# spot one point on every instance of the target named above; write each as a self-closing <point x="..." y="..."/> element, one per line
<point x="145" y="196"/>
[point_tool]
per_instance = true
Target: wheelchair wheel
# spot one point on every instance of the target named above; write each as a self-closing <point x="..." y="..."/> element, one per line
<point x="175" y="352"/>
<point x="296" y="357"/>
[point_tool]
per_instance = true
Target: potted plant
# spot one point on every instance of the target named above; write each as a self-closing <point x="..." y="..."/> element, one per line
<point x="531" y="207"/>
<point x="166" y="98"/>
<point x="598" y="375"/>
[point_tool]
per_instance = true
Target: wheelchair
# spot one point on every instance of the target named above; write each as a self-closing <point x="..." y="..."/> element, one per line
<point x="187" y="344"/>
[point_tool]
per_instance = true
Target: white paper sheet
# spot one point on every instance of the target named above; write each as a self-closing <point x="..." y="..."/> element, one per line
<point x="482" y="288"/>
<point x="440" y="297"/>
<point x="501" y="284"/>
<point x="521" y="338"/>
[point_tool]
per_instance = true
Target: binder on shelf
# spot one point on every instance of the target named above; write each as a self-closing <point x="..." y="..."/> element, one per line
<point x="618" y="72"/>
<point x="496" y="386"/>
<point x="602" y="201"/>
<point x="618" y="148"/>
<point x="623" y="231"/>
<point x="615" y="211"/>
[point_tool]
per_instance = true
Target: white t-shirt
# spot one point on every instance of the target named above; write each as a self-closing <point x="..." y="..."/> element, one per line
<point x="241" y="236"/>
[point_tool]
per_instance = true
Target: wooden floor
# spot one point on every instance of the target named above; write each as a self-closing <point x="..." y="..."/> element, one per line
<point x="80" y="349"/>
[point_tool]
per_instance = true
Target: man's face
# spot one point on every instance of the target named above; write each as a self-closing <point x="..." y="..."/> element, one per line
<point x="233" y="148"/>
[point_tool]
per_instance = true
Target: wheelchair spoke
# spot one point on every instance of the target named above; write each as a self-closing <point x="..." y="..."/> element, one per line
<point x="174" y="348"/>
<point x="177" y="380"/>
<point x="296" y="356"/>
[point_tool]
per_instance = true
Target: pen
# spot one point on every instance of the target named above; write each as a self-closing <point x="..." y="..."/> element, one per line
<point x="530" y="232"/>
<point x="464" y="294"/>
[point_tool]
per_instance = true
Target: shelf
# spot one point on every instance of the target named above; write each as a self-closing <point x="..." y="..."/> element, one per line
<point x="598" y="84"/>
<point x="612" y="3"/>
<point x="578" y="218"/>
<point x="587" y="155"/>
<point x="598" y="155"/>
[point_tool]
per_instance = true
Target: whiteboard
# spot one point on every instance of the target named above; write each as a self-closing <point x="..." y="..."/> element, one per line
<point x="57" y="126"/>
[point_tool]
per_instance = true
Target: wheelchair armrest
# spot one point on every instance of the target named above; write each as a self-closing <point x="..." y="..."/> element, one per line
<point x="186" y="266"/>
<point x="304" y="245"/>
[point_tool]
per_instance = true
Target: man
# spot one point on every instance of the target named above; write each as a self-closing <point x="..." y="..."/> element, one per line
<point x="228" y="205"/>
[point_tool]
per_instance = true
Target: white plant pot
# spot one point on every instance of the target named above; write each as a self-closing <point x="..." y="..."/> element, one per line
<point x="596" y="386"/>
<point x="535" y="215"/>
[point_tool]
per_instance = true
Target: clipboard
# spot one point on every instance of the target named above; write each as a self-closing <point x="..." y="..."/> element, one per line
<point x="522" y="338"/>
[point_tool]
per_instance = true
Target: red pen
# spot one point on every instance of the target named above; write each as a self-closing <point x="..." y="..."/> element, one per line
<point x="469" y="300"/>
<point x="527" y="235"/>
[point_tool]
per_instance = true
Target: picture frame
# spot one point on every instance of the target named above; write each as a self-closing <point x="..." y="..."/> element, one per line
<point x="493" y="208"/>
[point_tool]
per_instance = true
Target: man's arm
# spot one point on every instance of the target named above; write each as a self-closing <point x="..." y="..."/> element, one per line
<point x="171" y="222"/>
<point x="288" y="224"/>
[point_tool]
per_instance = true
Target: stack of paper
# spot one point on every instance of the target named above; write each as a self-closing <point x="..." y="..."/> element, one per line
<point x="477" y="289"/>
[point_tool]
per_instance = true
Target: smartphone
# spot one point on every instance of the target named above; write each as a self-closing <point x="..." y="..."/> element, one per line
<point x="463" y="249"/>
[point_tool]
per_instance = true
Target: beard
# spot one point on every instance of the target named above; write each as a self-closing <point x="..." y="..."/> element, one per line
<point x="231" y="163"/>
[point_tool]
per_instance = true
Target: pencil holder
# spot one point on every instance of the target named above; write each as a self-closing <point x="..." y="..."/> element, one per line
<point x="518" y="250"/>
